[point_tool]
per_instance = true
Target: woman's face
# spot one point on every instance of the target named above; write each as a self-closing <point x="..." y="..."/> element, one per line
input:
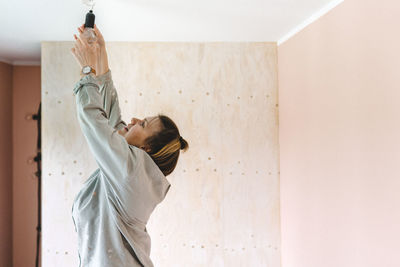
<point x="138" y="130"/>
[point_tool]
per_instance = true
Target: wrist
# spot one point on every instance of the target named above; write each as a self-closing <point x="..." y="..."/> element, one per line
<point x="102" y="69"/>
<point x="103" y="72"/>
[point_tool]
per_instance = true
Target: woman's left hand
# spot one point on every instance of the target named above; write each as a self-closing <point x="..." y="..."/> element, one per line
<point x="85" y="54"/>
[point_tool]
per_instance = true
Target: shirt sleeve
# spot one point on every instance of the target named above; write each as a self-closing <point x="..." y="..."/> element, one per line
<point x="110" y="99"/>
<point x="113" y="154"/>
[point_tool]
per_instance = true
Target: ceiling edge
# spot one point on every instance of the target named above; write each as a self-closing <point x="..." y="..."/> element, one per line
<point x="26" y="63"/>
<point x="5" y="61"/>
<point x="310" y="20"/>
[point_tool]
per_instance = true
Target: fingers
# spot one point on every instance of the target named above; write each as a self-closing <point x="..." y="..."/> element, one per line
<point x="81" y="41"/>
<point x="80" y="29"/>
<point x="81" y="44"/>
<point x="78" y="42"/>
<point x="82" y="37"/>
<point x="97" y="31"/>
<point x="73" y="51"/>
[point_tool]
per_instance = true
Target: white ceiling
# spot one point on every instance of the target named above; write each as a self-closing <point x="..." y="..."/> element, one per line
<point x="25" y="23"/>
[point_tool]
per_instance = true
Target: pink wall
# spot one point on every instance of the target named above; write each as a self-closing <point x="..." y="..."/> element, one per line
<point x="339" y="138"/>
<point x="19" y="96"/>
<point x="26" y="100"/>
<point x="6" y="164"/>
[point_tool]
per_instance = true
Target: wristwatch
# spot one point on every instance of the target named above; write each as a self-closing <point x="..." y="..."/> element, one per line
<point x="87" y="70"/>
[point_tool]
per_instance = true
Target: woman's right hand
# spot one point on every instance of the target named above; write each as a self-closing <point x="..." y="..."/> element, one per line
<point x="102" y="66"/>
<point x="99" y="36"/>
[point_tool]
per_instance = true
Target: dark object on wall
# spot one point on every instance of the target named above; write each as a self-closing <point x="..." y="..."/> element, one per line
<point x="38" y="159"/>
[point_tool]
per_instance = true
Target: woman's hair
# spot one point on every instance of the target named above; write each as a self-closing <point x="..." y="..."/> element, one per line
<point x="165" y="145"/>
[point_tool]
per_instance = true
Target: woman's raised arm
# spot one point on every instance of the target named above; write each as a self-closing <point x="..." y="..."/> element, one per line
<point x="107" y="89"/>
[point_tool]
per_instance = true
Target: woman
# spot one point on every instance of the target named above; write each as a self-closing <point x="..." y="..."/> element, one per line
<point x="111" y="211"/>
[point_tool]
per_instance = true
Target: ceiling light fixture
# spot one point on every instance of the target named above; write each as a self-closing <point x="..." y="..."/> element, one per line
<point x="88" y="32"/>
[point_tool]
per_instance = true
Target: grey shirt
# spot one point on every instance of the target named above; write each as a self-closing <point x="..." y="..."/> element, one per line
<point x="111" y="210"/>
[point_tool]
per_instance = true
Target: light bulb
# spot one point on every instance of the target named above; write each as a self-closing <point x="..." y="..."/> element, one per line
<point x="88" y="32"/>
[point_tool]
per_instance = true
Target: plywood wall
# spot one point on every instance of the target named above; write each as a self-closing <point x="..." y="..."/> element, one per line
<point x="223" y="205"/>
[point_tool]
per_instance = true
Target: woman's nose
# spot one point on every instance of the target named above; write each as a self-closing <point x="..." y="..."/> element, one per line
<point x="134" y="121"/>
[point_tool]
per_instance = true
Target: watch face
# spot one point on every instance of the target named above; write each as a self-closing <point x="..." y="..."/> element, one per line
<point x="86" y="69"/>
